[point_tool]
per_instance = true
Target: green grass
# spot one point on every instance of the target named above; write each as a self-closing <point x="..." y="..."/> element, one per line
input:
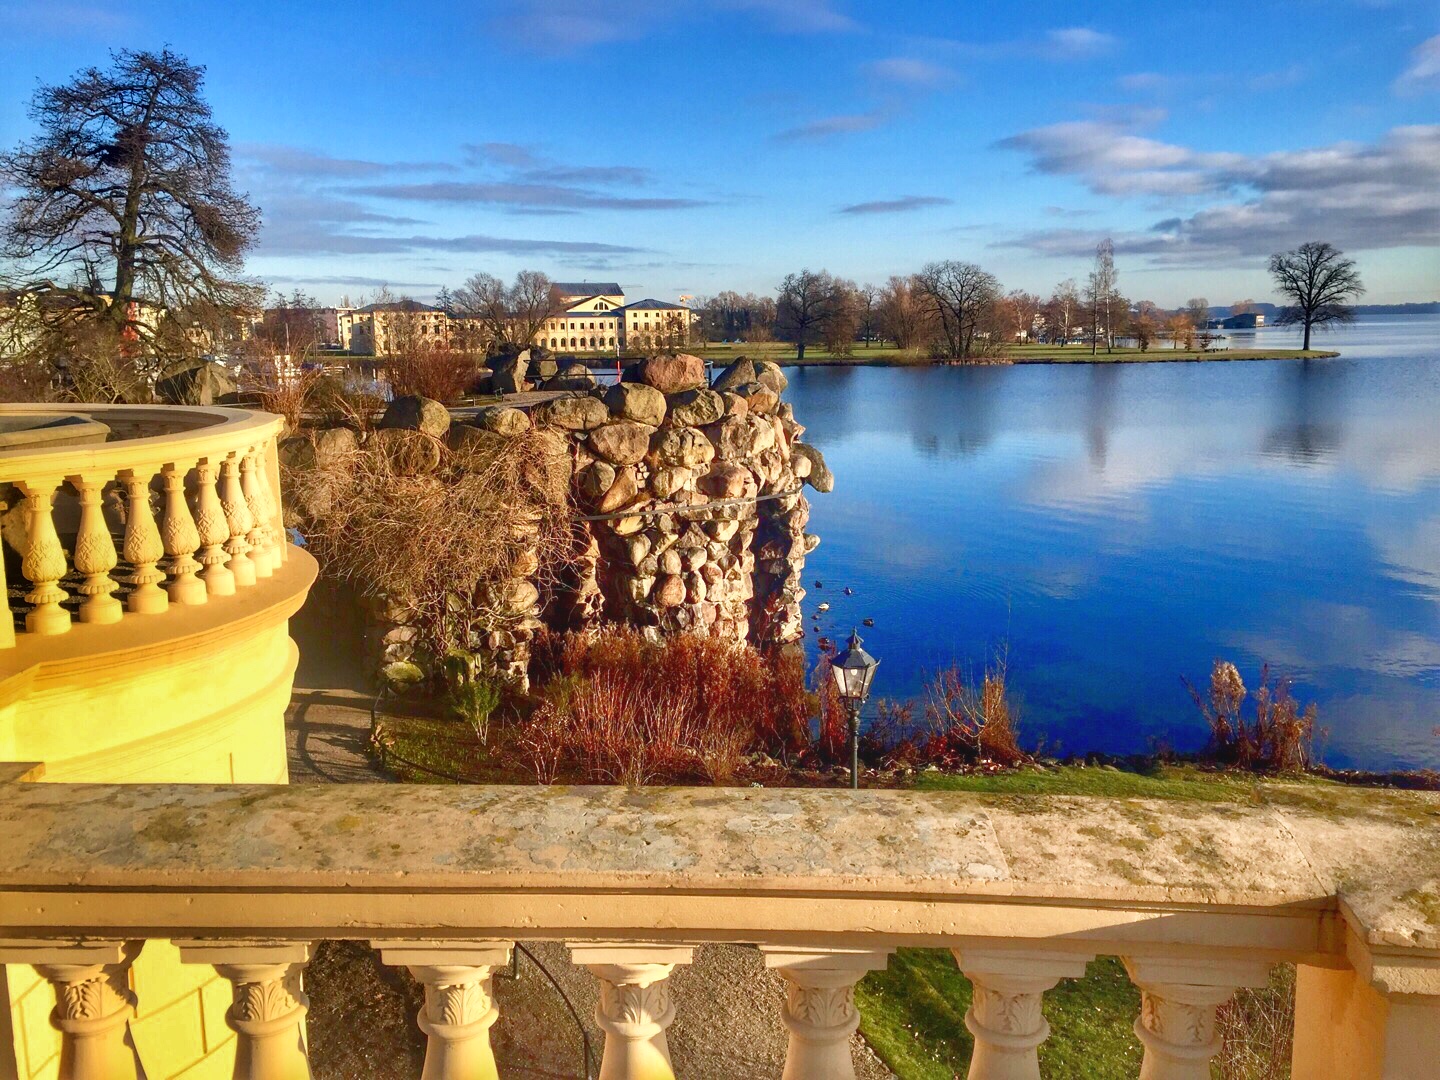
<point x="913" y="1016"/>
<point x="1106" y="781"/>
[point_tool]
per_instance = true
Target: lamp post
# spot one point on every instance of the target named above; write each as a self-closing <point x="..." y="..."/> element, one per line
<point x="853" y="670"/>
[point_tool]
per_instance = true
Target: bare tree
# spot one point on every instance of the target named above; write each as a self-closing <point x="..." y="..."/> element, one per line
<point x="125" y="198"/>
<point x="1102" y="295"/>
<point x="960" y="298"/>
<point x="1145" y="324"/>
<point x="843" y="326"/>
<point x="1021" y="310"/>
<point x="1319" y="284"/>
<point x="1181" y="330"/>
<point x="867" y="299"/>
<point x="1062" y="309"/>
<point x="805" y="306"/>
<point x="513" y="315"/>
<point x="902" y="315"/>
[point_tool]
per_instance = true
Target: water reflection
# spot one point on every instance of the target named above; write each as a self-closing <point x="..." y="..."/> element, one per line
<point x="1122" y="525"/>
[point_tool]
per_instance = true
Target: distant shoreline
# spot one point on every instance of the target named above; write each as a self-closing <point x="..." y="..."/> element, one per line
<point x="1077" y="357"/>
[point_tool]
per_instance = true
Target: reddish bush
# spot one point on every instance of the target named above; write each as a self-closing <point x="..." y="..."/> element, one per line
<point x="431" y="371"/>
<point x="618" y="707"/>
<point x="1282" y="734"/>
<point x="970" y="723"/>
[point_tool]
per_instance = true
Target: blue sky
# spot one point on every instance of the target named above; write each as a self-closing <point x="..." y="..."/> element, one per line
<point x="689" y="146"/>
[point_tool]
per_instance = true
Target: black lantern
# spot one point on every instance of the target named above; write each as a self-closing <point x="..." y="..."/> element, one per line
<point x="854" y="669"/>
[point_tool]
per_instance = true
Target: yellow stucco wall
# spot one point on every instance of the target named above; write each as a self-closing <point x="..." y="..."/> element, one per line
<point x="192" y="695"/>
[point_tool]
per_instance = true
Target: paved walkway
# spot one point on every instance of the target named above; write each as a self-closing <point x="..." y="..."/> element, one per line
<point x="327" y="734"/>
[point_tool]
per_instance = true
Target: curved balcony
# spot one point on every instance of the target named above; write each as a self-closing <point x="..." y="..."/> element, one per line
<point x="149" y="584"/>
<point x="1197" y="898"/>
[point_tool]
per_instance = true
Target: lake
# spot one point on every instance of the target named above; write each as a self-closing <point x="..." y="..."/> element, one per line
<point x="1116" y="527"/>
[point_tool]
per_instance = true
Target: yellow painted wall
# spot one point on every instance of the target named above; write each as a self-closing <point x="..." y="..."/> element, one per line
<point x="203" y="707"/>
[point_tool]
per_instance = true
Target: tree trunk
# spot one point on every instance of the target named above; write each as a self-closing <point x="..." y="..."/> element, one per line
<point x="1306" y="344"/>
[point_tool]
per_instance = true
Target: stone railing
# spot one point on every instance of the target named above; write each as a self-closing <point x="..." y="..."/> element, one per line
<point x="178" y="505"/>
<point x="1198" y="898"/>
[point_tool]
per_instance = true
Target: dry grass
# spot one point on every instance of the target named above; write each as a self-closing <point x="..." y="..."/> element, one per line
<point x="620" y="708"/>
<point x="972" y="722"/>
<point x="442" y="542"/>
<point x="433" y="372"/>
<point x="1258" y="1030"/>
<point x="1279" y="737"/>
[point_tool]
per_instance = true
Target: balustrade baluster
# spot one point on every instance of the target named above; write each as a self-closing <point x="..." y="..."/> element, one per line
<point x="181" y="539"/>
<point x="95" y="554"/>
<point x="1005" y="1011"/>
<point x="1178" y="999"/>
<point x="820" y="1010"/>
<point x="252" y="483"/>
<point x="143" y="548"/>
<point x="93" y="1005"/>
<point x="459" y="1007"/>
<point x="268" y="1010"/>
<point x="237" y="517"/>
<point x="277" y="513"/>
<point x="213" y="529"/>
<point x="44" y="562"/>
<point x="635" y="1006"/>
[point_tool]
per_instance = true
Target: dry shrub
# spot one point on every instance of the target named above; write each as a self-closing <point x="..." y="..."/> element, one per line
<point x="1281" y="735"/>
<point x="442" y="542"/>
<point x="972" y="723"/>
<point x="621" y="708"/>
<point x="431" y="371"/>
<point x="283" y="387"/>
<point x="1257" y="1029"/>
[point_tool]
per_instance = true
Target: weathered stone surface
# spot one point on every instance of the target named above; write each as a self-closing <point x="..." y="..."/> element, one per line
<point x="669" y="590"/>
<point x="696" y="408"/>
<point x="682" y="446"/>
<point x="620" y="493"/>
<point x="502" y="420"/>
<point x="735" y="405"/>
<point x="819" y="476"/>
<point x="740" y="436"/>
<point x="636" y="401"/>
<point x="728" y="481"/>
<point x="670" y="562"/>
<point x="575" y="413"/>
<point x="410" y="452"/>
<point x="671" y="374"/>
<point x="413" y="413"/>
<point x="741" y="372"/>
<point x="334" y="443"/>
<point x="509" y="374"/>
<point x="759" y="398"/>
<point x="202" y="383"/>
<point x="596" y="478"/>
<point x="295" y="452"/>
<point x="665" y="481"/>
<point x="770" y="375"/>
<point x="623" y="442"/>
<point x="572" y="375"/>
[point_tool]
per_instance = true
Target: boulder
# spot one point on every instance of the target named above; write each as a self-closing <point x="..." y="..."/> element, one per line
<point x="741" y="372"/>
<point x="575" y="413"/>
<point x="334" y="443"/>
<point x="466" y="438"/>
<point x="502" y="420"/>
<point x="414" y="413"/>
<point x="770" y="376"/>
<point x="735" y="405"/>
<point x="727" y="480"/>
<point x="509" y="374"/>
<point x="202" y="383"/>
<point x="696" y="408"/>
<point x="595" y="479"/>
<point x="759" y="398"/>
<point x="622" y="442"/>
<point x="740" y="436"/>
<point x="572" y="375"/>
<point x="671" y="374"/>
<point x="295" y="452"/>
<point x="669" y="591"/>
<point x="410" y="452"/>
<point x="668" y="479"/>
<point x="636" y="401"/>
<point x="819" y="475"/>
<point x="621" y="493"/>
<point x="687" y="447"/>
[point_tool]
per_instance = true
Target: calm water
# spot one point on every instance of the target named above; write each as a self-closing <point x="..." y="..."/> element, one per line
<point x="1120" y="526"/>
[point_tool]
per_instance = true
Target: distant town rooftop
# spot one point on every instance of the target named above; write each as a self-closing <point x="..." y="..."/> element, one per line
<point x="589" y="288"/>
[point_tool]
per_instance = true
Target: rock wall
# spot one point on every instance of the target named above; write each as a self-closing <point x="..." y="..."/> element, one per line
<point x="689" y="509"/>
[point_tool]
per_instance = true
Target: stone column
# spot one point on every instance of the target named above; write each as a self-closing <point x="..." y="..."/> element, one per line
<point x="95" y="554"/>
<point x="213" y="529"/>
<point x="459" y="1005"/>
<point x="820" y="1008"/>
<point x="43" y="563"/>
<point x="143" y="547"/>
<point x="93" y="1004"/>
<point x="181" y="538"/>
<point x="237" y="518"/>
<point x="1178" y="999"/>
<point x="635" y="1006"/>
<point x="267" y="1012"/>
<point x="1379" y="1024"/>
<point x="1005" y="1015"/>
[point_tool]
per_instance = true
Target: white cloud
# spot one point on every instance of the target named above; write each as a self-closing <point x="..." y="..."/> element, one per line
<point x="1423" y="72"/>
<point x="1356" y="195"/>
<point x="909" y="71"/>
<point x="1081" y="41"/>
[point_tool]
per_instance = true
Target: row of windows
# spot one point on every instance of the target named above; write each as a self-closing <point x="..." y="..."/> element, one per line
<point x="583" y="343"/>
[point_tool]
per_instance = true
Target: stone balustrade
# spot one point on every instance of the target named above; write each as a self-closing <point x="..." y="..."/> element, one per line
<point x="176" y="506"/>
<point x="1198" y="898"/>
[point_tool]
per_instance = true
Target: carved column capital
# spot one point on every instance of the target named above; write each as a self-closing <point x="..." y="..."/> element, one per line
<point x="1005" y="1013"/>
<point x="267" y="1009"/>
<point x="820" y="1011"/>
<point x="635" y="1005"/>
<point x="459" y="1007"/>
<point x="1178" y="999"/>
